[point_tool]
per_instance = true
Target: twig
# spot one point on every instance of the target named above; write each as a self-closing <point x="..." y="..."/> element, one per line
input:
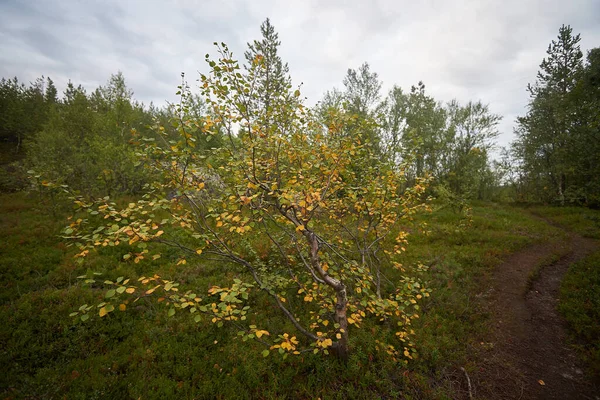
<point x="468" y="382"/>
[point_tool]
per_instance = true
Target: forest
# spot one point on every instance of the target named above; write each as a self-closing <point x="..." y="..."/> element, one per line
<point x="241" y="243"/>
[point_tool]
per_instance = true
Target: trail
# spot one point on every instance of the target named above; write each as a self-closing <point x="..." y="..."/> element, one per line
<point x="527" y="354"/>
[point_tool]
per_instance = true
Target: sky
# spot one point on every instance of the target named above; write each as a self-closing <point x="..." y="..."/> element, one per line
<point x="484" y="50"/>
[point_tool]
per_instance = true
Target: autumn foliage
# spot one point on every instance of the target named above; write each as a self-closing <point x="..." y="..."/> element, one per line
<point x="307" y="215"/>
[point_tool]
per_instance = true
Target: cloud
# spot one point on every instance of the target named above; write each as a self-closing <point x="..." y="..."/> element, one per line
<point x="466" y="49"/>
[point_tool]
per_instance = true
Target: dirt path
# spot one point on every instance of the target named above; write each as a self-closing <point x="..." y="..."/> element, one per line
<point x="527" y="356"/>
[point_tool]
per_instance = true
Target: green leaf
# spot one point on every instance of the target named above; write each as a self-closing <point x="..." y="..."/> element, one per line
<point x="121" y="289"/>
<point x="171" y="312"/>
<point x="85" y="317"/>
<point x="110" y="293"/>
<point x="265" y="353"/>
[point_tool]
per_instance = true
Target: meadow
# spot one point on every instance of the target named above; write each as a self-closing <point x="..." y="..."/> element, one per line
<point x="142" y="353"/>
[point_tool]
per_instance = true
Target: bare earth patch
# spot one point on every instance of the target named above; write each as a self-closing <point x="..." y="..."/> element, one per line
<point x="526" y="355"/>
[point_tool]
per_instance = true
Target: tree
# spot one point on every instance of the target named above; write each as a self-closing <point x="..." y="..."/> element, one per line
<point x="283" y="206"/>
<point x="546" y="132"/>
<point x="84" y="141"/>
<point x="23" y="110"/>
<point x="51" y="94"/>
<point x="584" y="151"/>
<point x="393" y="110"/>
<point x="362" y="99"/>
<point x="267" y="72"/>
<point x="362" y="90"/>
<point x="424" y="139"/>
<point x="474" y="130"/>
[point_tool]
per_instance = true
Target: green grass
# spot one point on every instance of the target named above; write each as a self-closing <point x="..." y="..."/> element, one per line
<point x="143" y="353"/>
<point x="584" y="221"/>
<point x="580" y="306"/>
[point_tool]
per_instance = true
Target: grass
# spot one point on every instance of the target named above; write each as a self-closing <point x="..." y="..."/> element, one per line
<point x="584" y="221"/>
<point x="580" y="306"/>
<point x="144" y="354"/>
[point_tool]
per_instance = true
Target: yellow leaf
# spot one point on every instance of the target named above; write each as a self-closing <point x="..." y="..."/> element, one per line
<point x="338" y="335"/>
<point x="122" y="307"/>
<point x="350" y="320"/>
<point x="103" y="312"/>
<point x="260" y="333"/>
<point x="130" y="290"/>
<point x="199" y="251"/>
<point x="541" y="382"/>
<point x="150" y="291"/>
<point x="159" y="233"/>
<point x="201" y="185"/>
<point x="300" y="228"/>
<point x="219" y="223"/>
<point x="245" y="199"/>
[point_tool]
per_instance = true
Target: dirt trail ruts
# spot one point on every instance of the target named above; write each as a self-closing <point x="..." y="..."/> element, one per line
<point x="527" y="354"/>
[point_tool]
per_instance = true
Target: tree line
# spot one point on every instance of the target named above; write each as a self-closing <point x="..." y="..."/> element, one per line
<point x="84" y="139"/>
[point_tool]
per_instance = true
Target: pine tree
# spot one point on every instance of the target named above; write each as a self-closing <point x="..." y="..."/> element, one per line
<point x="546" y="132"/>
<point x="269" y="73"/>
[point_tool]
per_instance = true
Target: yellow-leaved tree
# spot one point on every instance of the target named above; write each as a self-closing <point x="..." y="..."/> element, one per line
<point x="329" y="209"/>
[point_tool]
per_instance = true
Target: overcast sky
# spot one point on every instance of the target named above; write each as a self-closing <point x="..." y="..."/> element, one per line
<point x="466" y="49"/>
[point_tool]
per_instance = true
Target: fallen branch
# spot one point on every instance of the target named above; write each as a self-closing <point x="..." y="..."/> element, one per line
<point x="468" y="382"/>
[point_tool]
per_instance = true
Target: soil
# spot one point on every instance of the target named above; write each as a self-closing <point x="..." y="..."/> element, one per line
<point x="527" y="355"/>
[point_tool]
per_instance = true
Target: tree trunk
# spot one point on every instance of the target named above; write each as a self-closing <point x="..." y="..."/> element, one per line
<point x="561" y="195"/>
<point x="341" y="306"/>
<point x="341" y="346"/>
